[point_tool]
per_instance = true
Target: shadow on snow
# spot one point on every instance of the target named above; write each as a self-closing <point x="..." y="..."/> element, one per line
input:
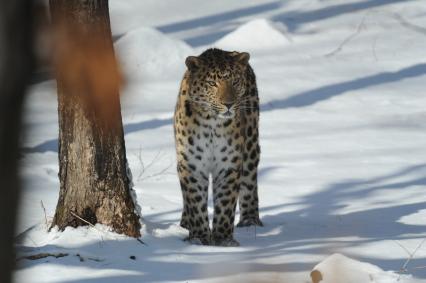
<point x="302" y="99"/>
<point x="311" y="97"/>
<point x="315" y="229"/>
<point x="292" y="19"/>
<point x="224" y="19"/>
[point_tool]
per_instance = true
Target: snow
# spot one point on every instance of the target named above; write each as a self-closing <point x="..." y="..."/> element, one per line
<point x="256" y="34"/>
<point x="342" y="132"/>
<point x="416" y="218"/>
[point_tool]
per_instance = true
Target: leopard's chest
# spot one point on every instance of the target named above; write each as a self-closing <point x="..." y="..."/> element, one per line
<point x="213" y="144"/>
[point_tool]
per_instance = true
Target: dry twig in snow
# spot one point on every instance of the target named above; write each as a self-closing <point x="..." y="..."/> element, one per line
<point x="348" y="39"/>
<point x="42" y="255"/>
<point x="404" y="268"/>
<point x="44" y="210"/>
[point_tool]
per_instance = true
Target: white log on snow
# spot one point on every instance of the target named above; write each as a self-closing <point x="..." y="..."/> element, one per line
<point x="338" y="268"/>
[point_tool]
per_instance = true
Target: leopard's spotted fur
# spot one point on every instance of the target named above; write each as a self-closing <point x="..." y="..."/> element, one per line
<point x="216" y="133"/>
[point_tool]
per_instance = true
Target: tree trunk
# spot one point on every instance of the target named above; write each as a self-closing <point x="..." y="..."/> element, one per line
<point x="15" y="69"/>
<point x="94" y="185"/>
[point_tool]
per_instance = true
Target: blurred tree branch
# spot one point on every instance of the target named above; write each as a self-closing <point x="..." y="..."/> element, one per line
<point x="16" y="64"/>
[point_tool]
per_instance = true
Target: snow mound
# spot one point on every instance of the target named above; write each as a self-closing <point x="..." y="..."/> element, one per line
<point x="254" y="35"/>
<point x="146" y="53"/>
<point x="338" y="268"/>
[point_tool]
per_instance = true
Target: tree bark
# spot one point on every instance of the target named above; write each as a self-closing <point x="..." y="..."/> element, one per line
<point x="94" y="184"/>
<point x="16" y="61"/>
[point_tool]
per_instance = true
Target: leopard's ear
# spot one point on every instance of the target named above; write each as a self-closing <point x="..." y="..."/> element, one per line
<point x="241" y="57"/>
<point x="192" y="62"/>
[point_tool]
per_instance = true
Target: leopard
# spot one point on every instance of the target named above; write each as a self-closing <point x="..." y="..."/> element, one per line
<point x="216" y="129"/>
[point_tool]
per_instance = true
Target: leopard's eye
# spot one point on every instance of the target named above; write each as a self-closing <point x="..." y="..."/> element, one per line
<point x="211" y="83"/>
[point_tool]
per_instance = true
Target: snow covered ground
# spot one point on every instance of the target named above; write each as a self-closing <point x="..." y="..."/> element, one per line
<point x="343" y="137"/>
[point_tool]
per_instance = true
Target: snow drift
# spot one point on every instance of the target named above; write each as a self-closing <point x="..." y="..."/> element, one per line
<point x="146" y="53"/>
<point x="254" y="35"/>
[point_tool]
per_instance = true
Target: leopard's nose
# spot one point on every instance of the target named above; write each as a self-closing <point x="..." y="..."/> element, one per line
<point x="228" y="105"/>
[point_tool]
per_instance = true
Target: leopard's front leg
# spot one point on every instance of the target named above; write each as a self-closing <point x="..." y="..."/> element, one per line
<point x="194" y="186"/>
<point x="248" y="197"/>
<point x="225" y="195"/>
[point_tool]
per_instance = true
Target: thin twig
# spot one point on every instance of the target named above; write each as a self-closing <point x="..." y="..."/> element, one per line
<point x="141" y="162"/>
<point x="348" y="39"/>
<point x="414" y="253"/>
<point x="144" y="168"/>
<point x="42" y="255"/>
<point x="149" y="165"/>
<point x="84" y="220"/>
<point x="162" y="172"/>
<point x="56" y="255"/>
<point x="403" y="22"/>
<point x="404" y="268"/>
<point x="82" y="259"/>
<point x="44" y="210"/>
<point x="402" y="247"/>
<point x="87" y="222"/>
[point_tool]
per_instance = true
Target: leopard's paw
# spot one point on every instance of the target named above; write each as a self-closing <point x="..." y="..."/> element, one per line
<point x="227" y="242"/>
<point x="250" y="221"/>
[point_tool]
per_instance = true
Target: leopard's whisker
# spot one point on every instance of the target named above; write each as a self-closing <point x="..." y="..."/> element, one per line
<point x="244" y="102"/>
<point x="201" y="103"/>
<point x="247" y="108"/>
<point x="245" y="99"/>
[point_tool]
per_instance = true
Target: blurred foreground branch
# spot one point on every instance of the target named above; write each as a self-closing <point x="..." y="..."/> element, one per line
<point x="16" y="61"/>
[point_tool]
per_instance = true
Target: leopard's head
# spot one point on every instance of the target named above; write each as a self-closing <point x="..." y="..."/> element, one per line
<point x="218" y="81"/>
